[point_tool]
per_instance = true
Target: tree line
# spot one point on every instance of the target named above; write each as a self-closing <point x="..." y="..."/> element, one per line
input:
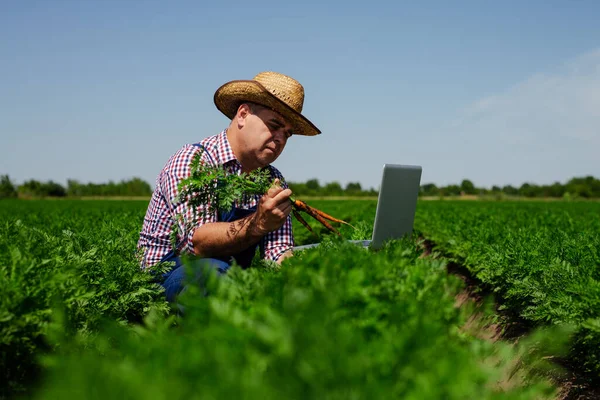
<point x="137" y="187"/>
<point x="586" y="187"/>
<point x="36" y="189"/>
<point x="579" y="187"/>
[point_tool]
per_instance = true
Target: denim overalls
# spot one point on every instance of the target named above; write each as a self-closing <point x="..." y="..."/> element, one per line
<point x="174" y="281"/>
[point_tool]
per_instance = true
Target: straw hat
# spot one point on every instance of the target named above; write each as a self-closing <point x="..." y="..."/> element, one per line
<point x="273" y="90"/>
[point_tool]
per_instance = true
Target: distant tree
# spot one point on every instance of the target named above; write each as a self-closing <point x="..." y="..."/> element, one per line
<point x="554" y="190"/>
<point x="467" y="187"/>
<point x="313" y="187"/>
<point x="53" y="189"/>
<point x="74" y="188"/>
<point x="586" y="187"/>
<point x="529" y="190"/>
<point x="30" y="188"/>
<point x="298" y="188"/>
<point x="313" y="184"/>
<point x="582" y="190"/>
<point x="578" y="187"/>
<point x="333" y="189"/>
<point x="429" y="189"/>
<point x="134" y="187"/>
<point x="510" y="190"/>
<point x="353" y="188"/>
<point x="7" y="189"/>
<point x="450" y="190"/>
<point x="33" y="188"/>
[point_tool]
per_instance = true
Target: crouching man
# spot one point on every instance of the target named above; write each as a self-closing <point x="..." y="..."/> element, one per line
<point x="265" y="112"/>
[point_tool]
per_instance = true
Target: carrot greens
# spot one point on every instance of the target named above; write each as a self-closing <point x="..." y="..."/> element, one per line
<point x="210" y="188"/>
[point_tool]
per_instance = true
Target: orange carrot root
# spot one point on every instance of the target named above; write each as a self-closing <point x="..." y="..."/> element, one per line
<point x="313" y="211"/>
<point x="303" y="222"/>
<point x="327" y="225"/>
<point x="310" y="211"/>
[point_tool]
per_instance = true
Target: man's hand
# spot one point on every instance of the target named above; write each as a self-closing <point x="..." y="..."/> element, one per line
<point x="226" y="238"/>
<point x="273" y="209"/>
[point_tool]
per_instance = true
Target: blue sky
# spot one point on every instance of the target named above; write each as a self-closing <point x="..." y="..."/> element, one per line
<point x="497" y="92"/>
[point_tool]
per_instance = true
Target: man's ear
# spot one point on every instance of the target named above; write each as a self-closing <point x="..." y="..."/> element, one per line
<point x="241" y="115"/>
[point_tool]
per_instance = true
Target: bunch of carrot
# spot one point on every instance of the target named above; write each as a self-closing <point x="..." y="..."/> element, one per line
<point x="213" y="185"/>
<point x="299" y="205"/>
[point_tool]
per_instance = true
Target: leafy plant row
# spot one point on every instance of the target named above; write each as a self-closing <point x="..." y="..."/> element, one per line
<point x="76" y="256"/>
<point x="542" y="258"/>
<point x="333" y="322"/>
<point x="336" y="322"/>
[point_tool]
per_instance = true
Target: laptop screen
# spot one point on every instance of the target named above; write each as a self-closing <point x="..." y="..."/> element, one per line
<point x="397" y="203"/>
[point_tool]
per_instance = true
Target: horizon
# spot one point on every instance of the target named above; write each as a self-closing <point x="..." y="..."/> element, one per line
<point x="323" y="183"/>
<point x="499" y="94"/>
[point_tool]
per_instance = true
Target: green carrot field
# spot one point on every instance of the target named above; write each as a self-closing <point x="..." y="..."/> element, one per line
<point x="79" y="319"/>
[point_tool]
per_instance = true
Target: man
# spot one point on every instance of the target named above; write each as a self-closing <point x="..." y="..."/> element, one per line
<point x="264" y="112"/>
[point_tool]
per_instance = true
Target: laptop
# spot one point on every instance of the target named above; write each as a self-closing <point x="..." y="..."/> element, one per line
<point x="396" y="206"/>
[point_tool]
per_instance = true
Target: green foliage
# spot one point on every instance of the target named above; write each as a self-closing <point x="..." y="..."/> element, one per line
<point x="216" y="187"/>
<point x="337" y="321"/>
<point x="131" y="187"/>
<point x="579" y="187"/>
<point x="72" y="256"/>
<point x="450" y="190"/>
<point x="353" y="187"/>
<point x="576" y="188"/>
<point x="210" y="189"/>
<point x="467" y="187"/>
<point x="7" y="189"/>
<point x="542" y="258"/>
<point x="332" y="322"/>
<point x="429" y="189"/>
<point x="33" y="188"/>
<point x="313" y="184"/>
<point x="333" y="189"/>
<point x="510" y="190"/>
<point x="36" y="189"/>
<point x="312" y="187"/>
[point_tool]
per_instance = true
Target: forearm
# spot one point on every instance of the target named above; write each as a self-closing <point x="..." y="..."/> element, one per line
<point x="219" y="239"/>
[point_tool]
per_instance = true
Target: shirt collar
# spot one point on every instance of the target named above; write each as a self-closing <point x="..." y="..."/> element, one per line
<point x="224" y="151"/>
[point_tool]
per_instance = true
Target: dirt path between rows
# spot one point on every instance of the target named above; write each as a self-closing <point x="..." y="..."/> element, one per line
<point x="505" y="326"/>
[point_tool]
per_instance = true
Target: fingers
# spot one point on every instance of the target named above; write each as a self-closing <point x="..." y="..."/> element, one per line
<point x="274" y="207"/>
<point x="276" y="183"/>
<point x="286" y="208"/>
<point x="278" y="194"/>
<point x="273" y="191"/>
<point x="280" y="202"/>
<point x="275" y="188"/>
<point x="283" y="196"/>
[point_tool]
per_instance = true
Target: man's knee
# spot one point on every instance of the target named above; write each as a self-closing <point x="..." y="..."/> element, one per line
<point x="194" y="273"/>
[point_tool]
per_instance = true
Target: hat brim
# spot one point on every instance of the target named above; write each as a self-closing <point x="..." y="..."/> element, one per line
<point x="231" y="95"/>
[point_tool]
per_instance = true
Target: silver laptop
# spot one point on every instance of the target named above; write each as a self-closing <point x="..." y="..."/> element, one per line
<point x="396" y="206"/>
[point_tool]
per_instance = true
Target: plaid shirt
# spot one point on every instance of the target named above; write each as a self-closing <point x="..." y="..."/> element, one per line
<point x="155" y="237"/>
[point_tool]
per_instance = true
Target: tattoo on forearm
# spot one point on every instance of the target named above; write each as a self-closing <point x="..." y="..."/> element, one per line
<point x="237" y="226"/>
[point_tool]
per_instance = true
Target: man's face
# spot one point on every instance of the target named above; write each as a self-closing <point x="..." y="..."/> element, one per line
<point x="265" y="135"/>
